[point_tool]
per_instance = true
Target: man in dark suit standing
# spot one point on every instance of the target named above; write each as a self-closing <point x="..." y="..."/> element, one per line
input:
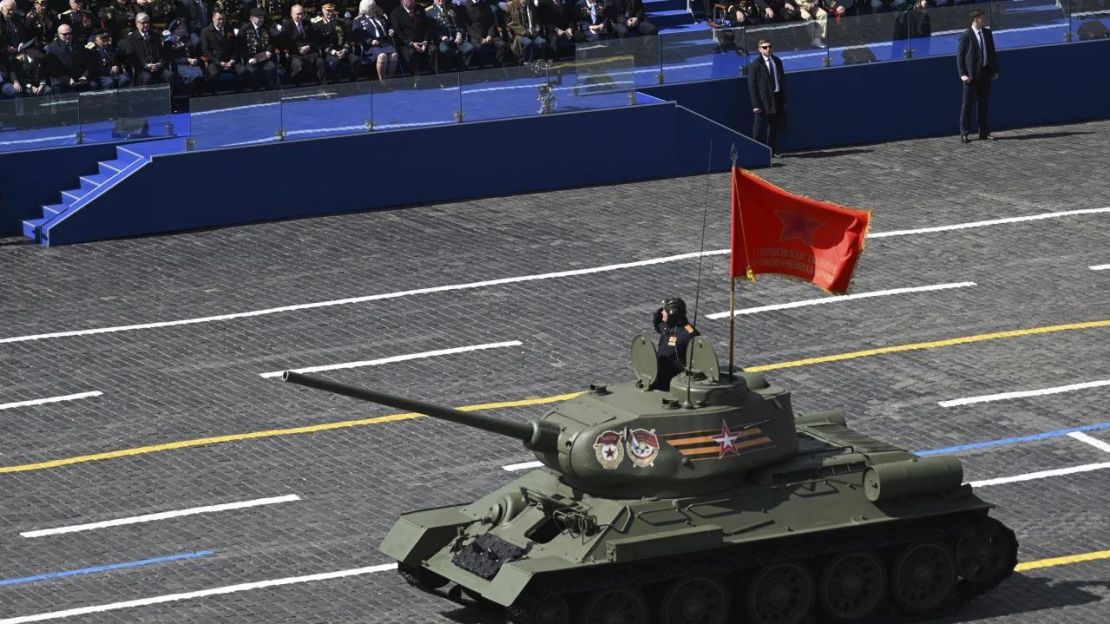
<point x="978" y="66"/>
<point x="767" y="89"/>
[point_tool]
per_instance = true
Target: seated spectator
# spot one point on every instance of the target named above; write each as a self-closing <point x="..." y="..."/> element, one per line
<point x="67" y="64"/>
<point x="80" y="19"/>
<point x="194" y="15"/>
<point x="302" y="44"/>
<point x="563" y="20"/>
<point x="373" y="36"/>
<point x="13" y="31"/>
<point x="41" y="23"/>
<point x="334" y="42"/>
<point x="27" y="74"/>
<point x="414" y="34"/>
<point x="145" y="54"/>
<point x="118" y="18"/>
<point x="183" y="59"/>
<point x="743" y="13"/>
<point x="107" y="63"/>
<point x="778" y="10"/>
<point x="527" y="28"/>
<point x="220" y="51"/>
<point x="483" y="32"/>
<point x="258" y="50"/>
<point x="628" y="18"/>
<point x="455" y="51"/>
<point x="819" y="21"/>
<point x="595" y="22"/>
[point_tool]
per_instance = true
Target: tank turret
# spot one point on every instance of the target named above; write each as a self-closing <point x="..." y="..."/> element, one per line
<point x="627" y="440"/>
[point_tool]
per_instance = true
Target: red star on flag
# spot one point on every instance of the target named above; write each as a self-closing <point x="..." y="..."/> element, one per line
<point x="797" y="225"/>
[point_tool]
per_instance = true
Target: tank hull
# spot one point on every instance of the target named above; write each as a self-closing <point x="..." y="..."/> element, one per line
<point x="538" y="541"/>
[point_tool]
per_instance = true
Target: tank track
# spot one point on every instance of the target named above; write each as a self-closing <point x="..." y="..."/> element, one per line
<point x="742" y="560"/>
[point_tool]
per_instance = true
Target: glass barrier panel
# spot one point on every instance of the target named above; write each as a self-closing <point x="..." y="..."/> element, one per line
<point x="1090" y="19"/>
<point x="1022" y="23"/>
<point x="35" y="122"/>
<point x="240" y="119"/>
<point x="400" y="103"/>
<point x="144" y="112"/>
<point x="691" y="55"/>
<point x="583" y="84"/>
<point x="868" y="38"/>
<point x="509" y="92"/>
<point x="800" y="45"/>
<point x="326" y="110"/>
<point x="98" y="111"/>
<point x="644" y="50"/>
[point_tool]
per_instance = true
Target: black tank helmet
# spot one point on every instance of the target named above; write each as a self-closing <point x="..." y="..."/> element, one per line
<point x="676" y="311"/>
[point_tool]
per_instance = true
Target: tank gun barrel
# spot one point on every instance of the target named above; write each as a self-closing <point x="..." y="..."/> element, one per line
<point x="535" y="435"/>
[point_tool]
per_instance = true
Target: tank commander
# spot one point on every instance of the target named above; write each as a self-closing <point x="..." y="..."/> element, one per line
<point x="675" y="332"/>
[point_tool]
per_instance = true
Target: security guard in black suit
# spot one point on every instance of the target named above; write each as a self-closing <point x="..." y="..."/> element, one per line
<point x="675" y="333"/>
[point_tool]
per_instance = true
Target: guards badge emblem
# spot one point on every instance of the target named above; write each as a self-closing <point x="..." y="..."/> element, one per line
<point x="609" y="450"/>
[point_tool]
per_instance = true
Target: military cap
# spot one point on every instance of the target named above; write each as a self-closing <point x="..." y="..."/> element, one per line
<point x="328" y="7"/>
<point x="258" y="12"/>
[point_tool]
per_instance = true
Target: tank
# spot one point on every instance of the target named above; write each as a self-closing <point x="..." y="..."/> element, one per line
<point x="711" y="501"/>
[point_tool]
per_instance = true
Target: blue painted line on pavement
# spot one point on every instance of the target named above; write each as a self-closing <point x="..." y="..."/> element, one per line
<point x="1007" y="441"/>
<point x="105" y="568"/>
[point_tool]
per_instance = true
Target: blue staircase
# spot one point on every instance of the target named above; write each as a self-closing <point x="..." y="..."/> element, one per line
<point x="89" y="187"/>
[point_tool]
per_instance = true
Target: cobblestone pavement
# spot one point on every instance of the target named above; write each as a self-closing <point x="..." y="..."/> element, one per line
<point x="197" y="380"/>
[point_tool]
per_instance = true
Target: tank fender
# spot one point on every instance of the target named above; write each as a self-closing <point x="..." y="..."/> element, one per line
<point x="415" y="537"/>
<point x="514" y="577"/>
<point x="830" y="417"/>
<point x="912" y="477"/>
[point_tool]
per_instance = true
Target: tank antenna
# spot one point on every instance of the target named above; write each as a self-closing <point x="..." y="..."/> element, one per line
<point x="701" y="259"/>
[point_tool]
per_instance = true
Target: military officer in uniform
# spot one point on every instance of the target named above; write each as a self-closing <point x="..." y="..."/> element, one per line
<point x="258" y="50"/>
<point x="27" y="74"/>
<point x="118" y="18"/>
<point x="107" y="64"/>
<point x="675" y="333"/>
<point x="41" y="23"/>
<point x="81" y="21"/>
<point x="334" y="42"/>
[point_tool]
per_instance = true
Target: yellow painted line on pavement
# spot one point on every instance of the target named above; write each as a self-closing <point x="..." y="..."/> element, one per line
<point x="934" y="344"/>
<point x="270" y="433"/>
<point x="1059" y="561"/>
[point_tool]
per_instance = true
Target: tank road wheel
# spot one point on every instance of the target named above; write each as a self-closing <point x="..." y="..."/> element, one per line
<point x="986" y="552"/>
<point x="780" y="593"/>
<point x="549" y="609"/>
<point x="922" y="576"/>
<point x="615" y="606"/>
<point x="696" y="600"/>
<point x="852" y="585"/>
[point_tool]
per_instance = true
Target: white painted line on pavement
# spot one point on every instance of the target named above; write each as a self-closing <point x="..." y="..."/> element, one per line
<point x="1043" y="474"/>
<point x="165" y="515"/>
<point x="522" y="466"/>
<point x="840" y="298"/>
<point x="1021" y="394"/>
<point x="57" y="399"/>
<point x="1100" y="267"/>
<point x="979" y="224"/>
<point x="396" y="358"/>
<point x="215" y="591"/>
<point x="505" y="280"/>
<point x="1093" y="441"/>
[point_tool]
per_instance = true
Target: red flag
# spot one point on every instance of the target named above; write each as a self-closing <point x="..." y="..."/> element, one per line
<point x="774" y="231"/>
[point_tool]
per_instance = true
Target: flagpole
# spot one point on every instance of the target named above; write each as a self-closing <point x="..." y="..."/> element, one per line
<point x="732" y="281"/>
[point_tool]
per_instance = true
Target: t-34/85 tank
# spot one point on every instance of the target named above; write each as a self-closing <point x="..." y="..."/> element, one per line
<point x="709" y="503"/>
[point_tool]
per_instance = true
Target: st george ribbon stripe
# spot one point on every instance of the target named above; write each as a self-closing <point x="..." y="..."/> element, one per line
<point x="164" y="515"/>
<point x="396" y="358"/>
<point x="104" y="568"/>
<point x="57" y="399"/>
<point x="513" y="280"/>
